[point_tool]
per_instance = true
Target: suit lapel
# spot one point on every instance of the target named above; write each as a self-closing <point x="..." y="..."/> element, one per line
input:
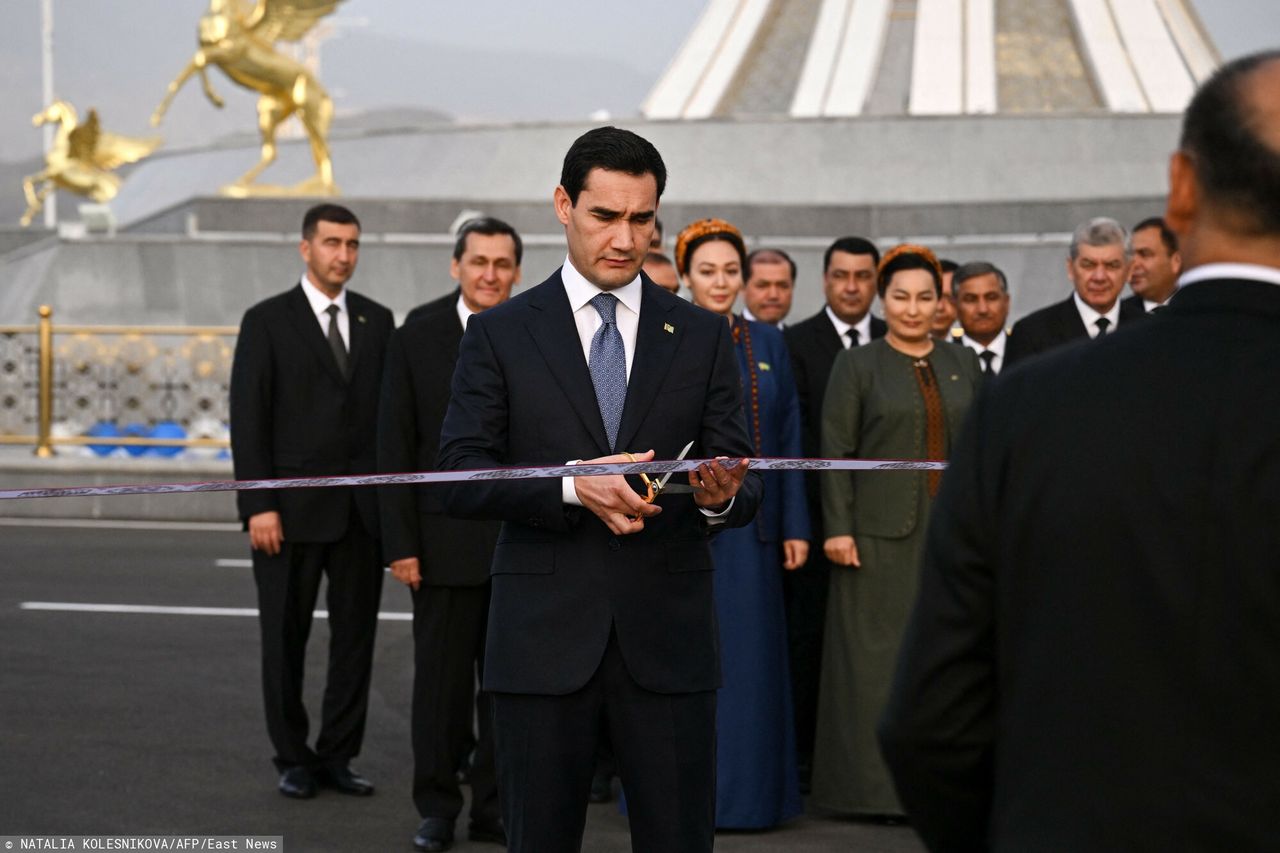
<point x="357" y="331"/>
<point x="655" y="347"/>
<point x="829" y="341"/>
<point x="1071" y="326"/>
<point x="556" y="336"/>
<point x="308" y="329"/>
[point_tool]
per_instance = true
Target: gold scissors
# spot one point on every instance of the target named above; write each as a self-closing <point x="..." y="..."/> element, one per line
<point x="654" y="488"/>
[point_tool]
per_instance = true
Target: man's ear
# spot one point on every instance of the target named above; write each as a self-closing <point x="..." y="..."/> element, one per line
<point x="564" y="207"/>
<point x="1184" y="194"/>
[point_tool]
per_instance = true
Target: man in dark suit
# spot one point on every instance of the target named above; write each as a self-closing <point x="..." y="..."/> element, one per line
<point x="982" y="304"/>
<point x="849" y="284"/>
<point x="1157" y="263"/>
<point x="444" y="561"/>
<point x="304" y="403"/>
<point x="1082" y="672"/>
<point x="601" y="614"/>
<point x="1098" y="266"/>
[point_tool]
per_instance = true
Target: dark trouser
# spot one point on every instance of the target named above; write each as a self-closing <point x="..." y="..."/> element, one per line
<point x="805" y="591"/>
<point x="665" y="746"/>
<point x="288" y="585"/>
<point x="448" y="653"/>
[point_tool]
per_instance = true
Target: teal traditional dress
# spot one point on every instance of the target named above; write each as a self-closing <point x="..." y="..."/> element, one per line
<point x="880" y="404"/>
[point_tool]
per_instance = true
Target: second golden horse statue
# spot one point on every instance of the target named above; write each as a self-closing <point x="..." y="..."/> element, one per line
<point x="82" y="158"/>
<point x="239" y="38"/>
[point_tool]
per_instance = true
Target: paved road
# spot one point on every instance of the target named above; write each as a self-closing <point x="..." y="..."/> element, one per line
<point x="150" y="723"/>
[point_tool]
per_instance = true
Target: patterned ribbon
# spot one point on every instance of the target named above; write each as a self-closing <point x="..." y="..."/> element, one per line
<point x="522" y="473"/>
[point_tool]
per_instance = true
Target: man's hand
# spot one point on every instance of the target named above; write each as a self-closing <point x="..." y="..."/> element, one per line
<point x="407" y="571"/>
<point x="794" y="553"/>
<point x="266" y="533"/>
<point x="714" y="485"/>
<point x="842" y="551"/>
<point x="612" y="499"/>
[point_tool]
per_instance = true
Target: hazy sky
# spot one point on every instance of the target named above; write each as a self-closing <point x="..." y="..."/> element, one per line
<point x="480" y="59"/>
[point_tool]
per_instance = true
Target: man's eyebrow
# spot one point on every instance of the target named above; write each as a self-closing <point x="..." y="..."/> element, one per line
<point x="608" y="213"/>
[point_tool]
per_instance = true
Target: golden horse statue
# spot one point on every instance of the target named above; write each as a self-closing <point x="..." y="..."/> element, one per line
<point x="239" y="39"/>
<point x="82" y="158"/>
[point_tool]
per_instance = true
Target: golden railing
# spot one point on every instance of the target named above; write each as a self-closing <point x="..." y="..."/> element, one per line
<point x="44" y="438"/>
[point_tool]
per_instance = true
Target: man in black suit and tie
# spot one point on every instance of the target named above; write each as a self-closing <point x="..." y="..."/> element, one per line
<point x="304" y="403"/>
<point x="444" y="561"/>
<point x="1157" y="263"/>
<point x="1082" y="672"/>
<point x="849" y="284"/>
<point x="1098" y="266"/>
<point x="982" y="304"/>
<point x="601" y="615"/>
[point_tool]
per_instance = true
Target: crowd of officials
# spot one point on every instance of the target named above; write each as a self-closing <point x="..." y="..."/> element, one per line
<point x="815" y="574"/>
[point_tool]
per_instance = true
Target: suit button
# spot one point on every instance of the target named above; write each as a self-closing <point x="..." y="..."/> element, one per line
<point x="535" y="521"/>
<point x="614" y="544"/>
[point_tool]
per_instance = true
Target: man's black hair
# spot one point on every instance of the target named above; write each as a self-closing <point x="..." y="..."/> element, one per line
<point x="852" y="245"/>
<point x="326" y="212"/>
<point x="769" y="256"/>
<point x="1167" y="235"/>
<point x="1237" y="170"/>
<point x="612" y="149"/>
<point x="488" y="226"/>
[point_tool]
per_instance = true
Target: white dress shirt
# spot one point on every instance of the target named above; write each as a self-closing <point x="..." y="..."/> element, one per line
<point x="1090" y="316"/>
<point x="842" y="328"/>
<point x="587" y="319"/>
<point x="464" y="313"/>
<point x="996" y="346"/>
<point x="626" y="316"/>
<point x="320" y="306"/>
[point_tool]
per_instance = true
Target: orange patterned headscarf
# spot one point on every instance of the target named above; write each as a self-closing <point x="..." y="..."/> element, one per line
<point x="923" y="252"/>
<point x="703" y="228"/>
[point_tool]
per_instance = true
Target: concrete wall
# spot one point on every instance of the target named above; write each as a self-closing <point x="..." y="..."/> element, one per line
<point x="756" y="162"/>
<point x="161" y="280"/>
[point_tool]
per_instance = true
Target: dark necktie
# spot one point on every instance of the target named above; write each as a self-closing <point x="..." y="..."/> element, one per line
<point x="1102" y="323"/>
<point x="987" y="357"/>
<point x="852" y="334"/>
<point x="335" y="340"/>
<point x="608" y="365"/>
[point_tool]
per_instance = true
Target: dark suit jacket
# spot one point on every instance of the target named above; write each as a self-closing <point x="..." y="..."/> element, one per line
<point x="1091" y="664"/>
<point x="1134" y="301"/>
<point x="415" y="395"/>
<point x="293" y="414"/>
<point x="814" y="345"/>
<point x="1054" y="326"/>
<point x="522" y="395"/>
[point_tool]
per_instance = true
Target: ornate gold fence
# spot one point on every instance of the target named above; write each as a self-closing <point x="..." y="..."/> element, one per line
<point x="148" y="389"/>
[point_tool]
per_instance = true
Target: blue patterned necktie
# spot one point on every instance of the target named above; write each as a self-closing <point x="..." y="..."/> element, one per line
<point x="608" y="365"/>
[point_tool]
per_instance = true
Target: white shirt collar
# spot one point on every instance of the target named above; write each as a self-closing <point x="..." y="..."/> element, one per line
<point x="1090" y="316"/>
<point x="996" y="346"/>
<point x="319" y="302"/>
<point x="464" y="313"/>
<point x="1256" y="272"/>
<point x="863" y="326"/>
<point x="581" y="291"/>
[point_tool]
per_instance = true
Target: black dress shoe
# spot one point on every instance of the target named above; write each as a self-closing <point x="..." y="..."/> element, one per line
<point x="435" y="834"/>
<point x="297" y="782"/>
<point x="347" y="781"/>
<point x="601" y="788"/>
<point x="488" y="831"/>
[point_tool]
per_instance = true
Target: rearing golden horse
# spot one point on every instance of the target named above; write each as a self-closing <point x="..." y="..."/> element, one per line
<point x="81" y="159"/>
<point x="239" y="40"/>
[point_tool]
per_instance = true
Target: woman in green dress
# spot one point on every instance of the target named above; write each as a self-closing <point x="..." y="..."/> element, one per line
<point x="900" y="397"/>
